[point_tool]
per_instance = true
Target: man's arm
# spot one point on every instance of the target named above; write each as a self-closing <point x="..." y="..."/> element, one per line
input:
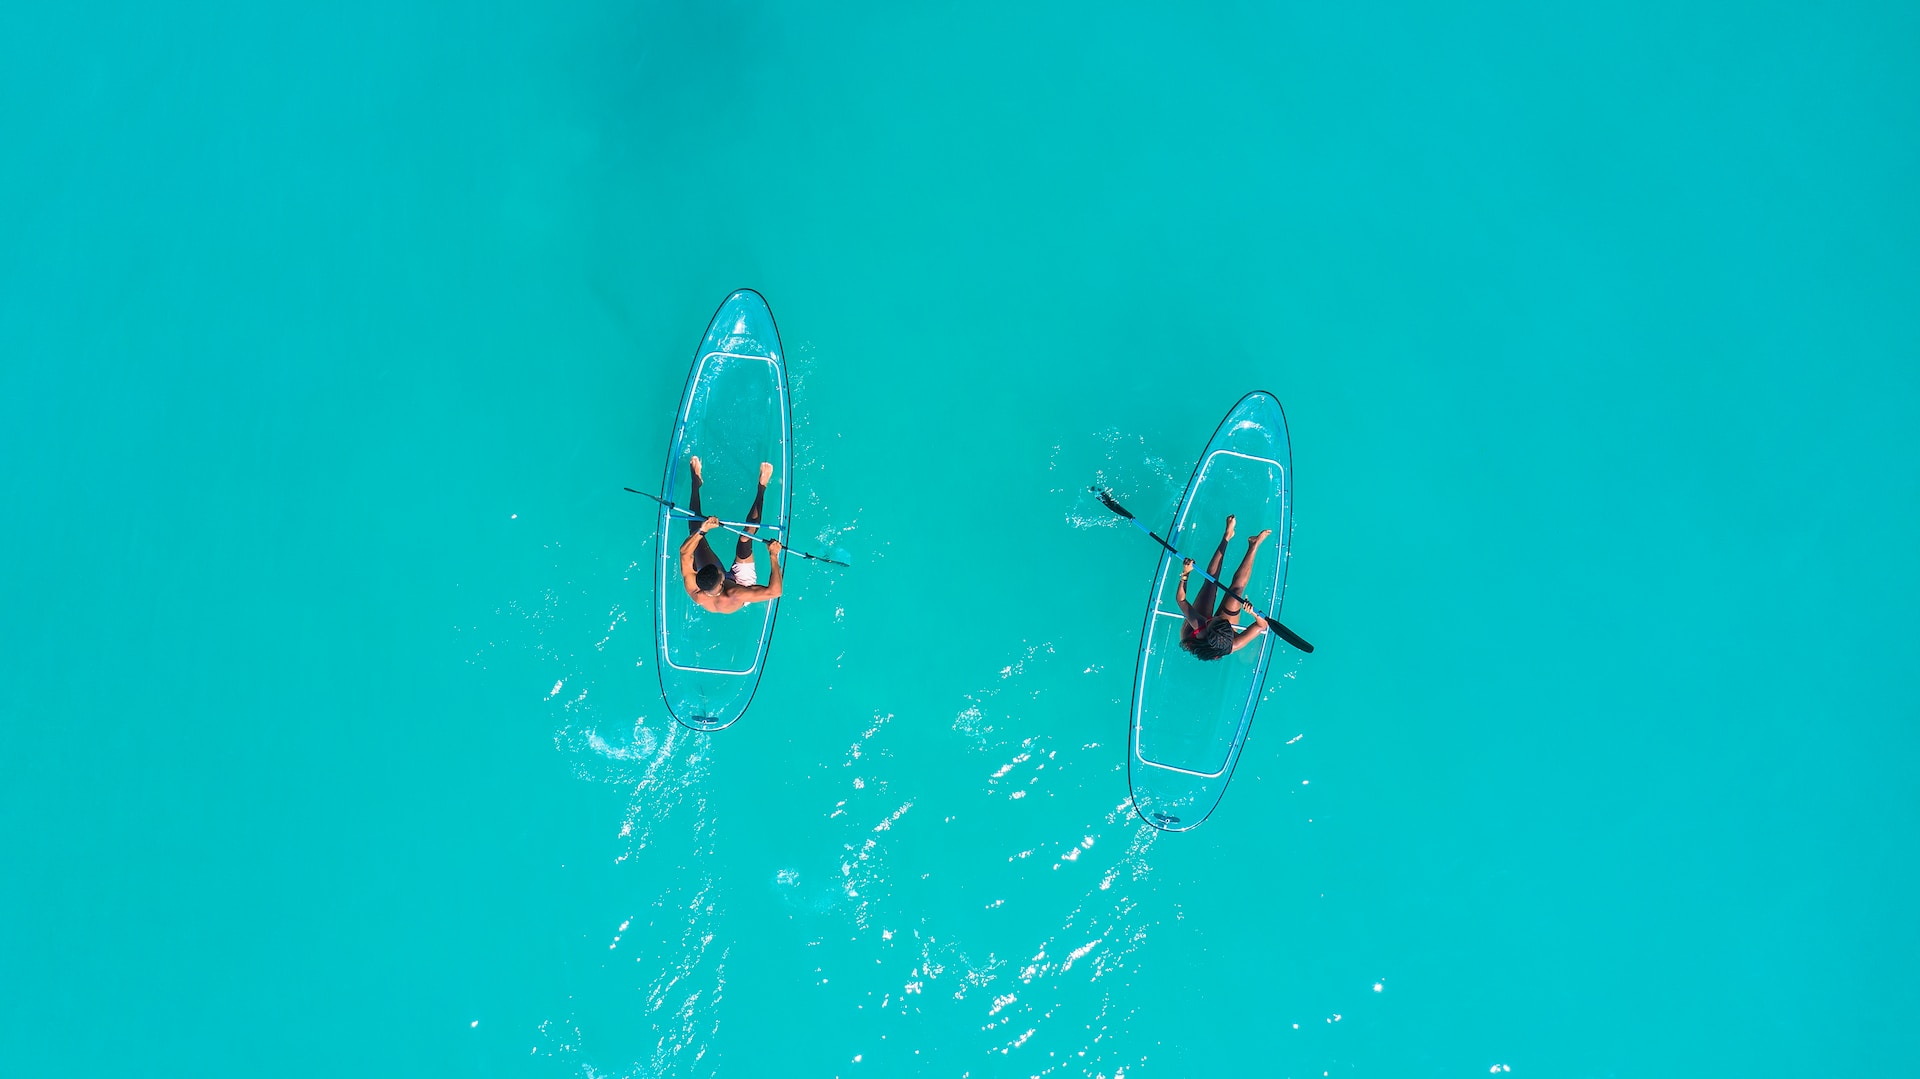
<point x="686" y="555"/>
<point x="779" y="572"/>
<point x="760" y="593"/>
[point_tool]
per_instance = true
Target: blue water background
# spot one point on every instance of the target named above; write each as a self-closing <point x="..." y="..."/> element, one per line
<point x="329" y="740"/>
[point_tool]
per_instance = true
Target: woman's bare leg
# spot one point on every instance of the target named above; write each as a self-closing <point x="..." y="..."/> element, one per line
<point x="744" y="549"/>
<point x="1244" y="574"/>
<point x="1204" y="601"/>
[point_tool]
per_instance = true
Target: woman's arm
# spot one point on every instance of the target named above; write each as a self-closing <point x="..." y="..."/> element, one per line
<point x="1180" y="594"/>
<point x="1241" y="638"/>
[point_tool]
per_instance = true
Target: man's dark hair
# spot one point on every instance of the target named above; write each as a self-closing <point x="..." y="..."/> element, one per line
<point x="1215" y="644"/>
<point x="708" y="578"/>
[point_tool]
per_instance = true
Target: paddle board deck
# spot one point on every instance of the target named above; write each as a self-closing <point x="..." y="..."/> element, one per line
<point x="734" y="414"/>
<point x="1191" y="716"/>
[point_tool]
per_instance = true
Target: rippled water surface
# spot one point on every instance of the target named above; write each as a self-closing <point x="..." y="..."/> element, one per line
<point x="331" y="743"/>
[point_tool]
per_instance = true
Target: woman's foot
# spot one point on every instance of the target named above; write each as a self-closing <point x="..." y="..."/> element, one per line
<point x="1259" y="539"/>
<point x="766" y="472"/>
<point x="1229" y="533"/>
<point x="694" y="464"/>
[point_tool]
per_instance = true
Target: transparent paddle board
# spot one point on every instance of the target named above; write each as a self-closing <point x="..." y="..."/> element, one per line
<point x="1190" y="716"/>
<point x="733" y="415"/>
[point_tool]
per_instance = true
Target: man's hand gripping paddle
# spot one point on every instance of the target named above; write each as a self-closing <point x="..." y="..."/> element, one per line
<point x="1273" y="624"/>
<point x="691" y="516"/>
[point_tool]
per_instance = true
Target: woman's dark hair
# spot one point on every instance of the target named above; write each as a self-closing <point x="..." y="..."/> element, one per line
<point x="708" y="578"/>
<point x="1214" y="644"/>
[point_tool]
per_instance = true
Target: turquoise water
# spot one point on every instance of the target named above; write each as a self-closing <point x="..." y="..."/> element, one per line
<point x="331" y="741"/>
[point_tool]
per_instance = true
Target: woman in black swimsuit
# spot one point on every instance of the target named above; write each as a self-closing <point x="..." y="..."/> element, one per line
<point x="1211" y="633"/>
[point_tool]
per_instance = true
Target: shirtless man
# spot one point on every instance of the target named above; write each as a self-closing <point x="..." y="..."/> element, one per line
<point x="724" y="591"/>
<point x="1210" y="633"/>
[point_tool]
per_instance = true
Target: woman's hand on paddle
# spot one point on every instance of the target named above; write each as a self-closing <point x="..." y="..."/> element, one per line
<point x="1242" y="638"/>
<point x="1186" y="566"/>
<point x="709" y="525"/>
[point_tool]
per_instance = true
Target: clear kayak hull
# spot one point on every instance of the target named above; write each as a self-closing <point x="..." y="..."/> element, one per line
<point x="734" y="414"/>
<point x="1191" y="716"/>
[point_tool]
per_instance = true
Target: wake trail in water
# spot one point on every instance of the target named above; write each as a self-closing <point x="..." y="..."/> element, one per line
<point x="1051" y="997"/>
<point x="588" y="676"/>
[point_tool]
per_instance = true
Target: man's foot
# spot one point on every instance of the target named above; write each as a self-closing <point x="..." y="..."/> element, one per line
<point x="1260" y="539"/>
<point x="766" y="472"/>
<point x="1229" y="534"/>
<point x="694" y="463"/>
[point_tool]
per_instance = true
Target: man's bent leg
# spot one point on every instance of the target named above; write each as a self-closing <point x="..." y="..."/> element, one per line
<point x="693" y="500"/>
<point x="743" y="550"/>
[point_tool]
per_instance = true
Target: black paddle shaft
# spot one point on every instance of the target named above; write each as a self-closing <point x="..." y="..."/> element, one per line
<point x="1286" y="634"/>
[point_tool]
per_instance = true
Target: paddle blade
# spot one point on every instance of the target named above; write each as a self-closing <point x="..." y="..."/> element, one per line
<point x="1107" y="500"/>
<point x="1289" y="636"/>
